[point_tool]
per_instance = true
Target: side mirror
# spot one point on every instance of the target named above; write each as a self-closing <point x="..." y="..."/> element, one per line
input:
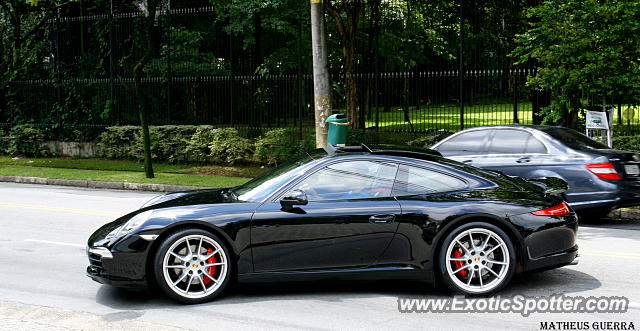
<point x="293" y="198"/>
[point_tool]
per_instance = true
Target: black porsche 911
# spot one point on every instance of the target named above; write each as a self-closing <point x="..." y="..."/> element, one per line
<point x="343" y="213"/>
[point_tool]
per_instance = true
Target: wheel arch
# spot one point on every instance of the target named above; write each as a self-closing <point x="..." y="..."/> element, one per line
<point x="503" y="224"/>
<point x="189" y="224"/>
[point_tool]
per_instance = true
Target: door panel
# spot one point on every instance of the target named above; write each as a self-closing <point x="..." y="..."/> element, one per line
<point x="322" y="234"/>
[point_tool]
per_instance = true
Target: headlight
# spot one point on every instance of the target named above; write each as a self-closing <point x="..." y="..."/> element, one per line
<point x="133" y="223"/>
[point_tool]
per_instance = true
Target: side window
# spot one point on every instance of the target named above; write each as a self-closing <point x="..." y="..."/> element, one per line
<point x="350" y="180"/>
<point x="515" y="142"/>
<point x="413" y="180"/>
<point x="468" y="143"/>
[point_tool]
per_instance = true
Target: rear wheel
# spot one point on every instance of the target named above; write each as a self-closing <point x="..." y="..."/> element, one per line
<point x="477" y="259"/>
<point x="192" y="266"/>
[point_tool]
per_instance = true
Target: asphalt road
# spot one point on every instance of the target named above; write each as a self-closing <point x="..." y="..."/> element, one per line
<point x="43" y="230"/>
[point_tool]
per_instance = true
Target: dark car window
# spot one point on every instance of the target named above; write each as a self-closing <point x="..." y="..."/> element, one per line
<point x="573" y="139"/>
<point x="467" y="143"/>
<point x="413" y="180"/>
<point x="515" y="142"/>
<point x="262" y="186"/>
<point x="350" y="180"/>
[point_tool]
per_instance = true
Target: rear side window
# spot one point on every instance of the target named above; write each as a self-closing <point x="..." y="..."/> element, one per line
<point x="413" y="180"/>
<point x="515" y="142"/>
<point x="468" y="143"/>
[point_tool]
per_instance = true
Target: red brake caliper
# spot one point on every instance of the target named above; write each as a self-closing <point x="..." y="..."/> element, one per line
<point x="459" y="264"/>
<point x="211" y="270"/>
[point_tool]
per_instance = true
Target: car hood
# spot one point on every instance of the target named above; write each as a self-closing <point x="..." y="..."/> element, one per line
<point x="188" y="198"/>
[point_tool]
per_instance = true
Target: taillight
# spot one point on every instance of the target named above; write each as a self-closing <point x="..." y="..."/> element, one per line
<point x="603" y="170"/>
<point x="561" y="209"/>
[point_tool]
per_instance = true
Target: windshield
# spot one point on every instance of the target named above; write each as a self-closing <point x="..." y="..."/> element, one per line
<point x="262" y="186"/>
<point x="573" y="139"/>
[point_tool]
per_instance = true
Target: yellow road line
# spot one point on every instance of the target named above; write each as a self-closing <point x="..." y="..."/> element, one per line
<point x="609" y="254"/>
<point x="62" y="209"/>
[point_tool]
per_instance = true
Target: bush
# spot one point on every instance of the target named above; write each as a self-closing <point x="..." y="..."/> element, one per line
<point x="27" y="140"/>
<point x="279" y="145"/>
<point x="169" y="142"/>
<point x="227" y="146"/>
<point x="198" y="145"/>
<point x="120" y="142"/>
<point x="218" y="145"/>
<point x="627" y="143"/>
<point x="429" y="140"/>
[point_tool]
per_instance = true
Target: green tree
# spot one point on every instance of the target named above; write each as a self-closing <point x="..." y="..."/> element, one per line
<point x="22" y="38"/>
<point x="149" y="22"/>
<point x="583" y="46"/>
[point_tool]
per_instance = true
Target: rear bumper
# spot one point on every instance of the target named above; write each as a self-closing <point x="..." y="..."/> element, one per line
<point x="625" y="194"/>
<point x="550" y="241"/>
<point x="556" y="260"/>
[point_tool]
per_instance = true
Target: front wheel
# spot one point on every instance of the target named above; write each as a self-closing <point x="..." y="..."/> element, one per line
<point x="192" y="266"/>
<point x="477" y="259"/>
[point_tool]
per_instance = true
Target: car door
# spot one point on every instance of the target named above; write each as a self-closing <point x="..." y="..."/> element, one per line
<point x="468" y="146"/>
<point x="348" y="222"/>
<point x="514" y="152"/>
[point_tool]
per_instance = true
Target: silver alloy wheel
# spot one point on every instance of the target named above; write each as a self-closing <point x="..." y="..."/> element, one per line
<point x="477" y="260"/>
<point x="195" y="266"/>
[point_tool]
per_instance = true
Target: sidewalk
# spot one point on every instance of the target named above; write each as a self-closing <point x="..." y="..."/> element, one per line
<point x="101" y="184"/>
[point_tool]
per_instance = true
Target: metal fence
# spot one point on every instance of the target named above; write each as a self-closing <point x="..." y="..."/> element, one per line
<point x="88" y="84"/>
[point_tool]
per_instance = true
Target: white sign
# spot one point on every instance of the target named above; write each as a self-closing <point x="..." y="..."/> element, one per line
<point x="597" y="120"/>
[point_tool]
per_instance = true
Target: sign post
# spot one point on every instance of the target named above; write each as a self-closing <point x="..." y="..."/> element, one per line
<point x="601" y="120"/>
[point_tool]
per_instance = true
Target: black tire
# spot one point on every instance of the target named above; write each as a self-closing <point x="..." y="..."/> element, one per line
<point x="159" y="271"/>
<point x="444" y="270"/>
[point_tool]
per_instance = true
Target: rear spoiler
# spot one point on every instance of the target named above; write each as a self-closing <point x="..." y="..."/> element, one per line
<point x="551" y="185"/>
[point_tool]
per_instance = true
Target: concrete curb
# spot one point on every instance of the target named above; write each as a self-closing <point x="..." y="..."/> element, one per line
<point x="100" y="184"/>
<point x="625" y="214"/>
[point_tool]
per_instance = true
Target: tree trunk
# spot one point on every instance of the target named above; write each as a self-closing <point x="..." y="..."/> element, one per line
<point x="143" y="109"/>
<point x="350" y="83"/>
<point x="348" y="31"/>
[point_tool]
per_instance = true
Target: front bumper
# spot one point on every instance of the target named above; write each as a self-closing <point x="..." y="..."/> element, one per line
<point x="122" y="264"/>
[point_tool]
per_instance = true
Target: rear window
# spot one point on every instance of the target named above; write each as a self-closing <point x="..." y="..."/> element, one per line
<point x="413" y="180"/>
<point x="515" y="142"/>
<point x="573" y="139"/>
<point x="467" y="143"/>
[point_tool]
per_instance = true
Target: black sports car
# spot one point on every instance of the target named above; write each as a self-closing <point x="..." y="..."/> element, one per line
<point x="342" y="214"/>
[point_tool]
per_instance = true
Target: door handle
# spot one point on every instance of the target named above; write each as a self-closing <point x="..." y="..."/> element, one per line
<point x="381" y="219"/>
<point x="524" y="159"/>
<point x="467" y="161"/>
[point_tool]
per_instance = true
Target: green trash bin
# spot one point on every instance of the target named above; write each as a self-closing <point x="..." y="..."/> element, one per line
<point x="338" y="126"/>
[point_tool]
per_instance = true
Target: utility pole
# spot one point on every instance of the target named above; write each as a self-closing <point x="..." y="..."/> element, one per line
<point x="321" y="87"/>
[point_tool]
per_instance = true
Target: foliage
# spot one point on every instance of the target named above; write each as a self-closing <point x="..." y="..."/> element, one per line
<point x="429" y="140"/>
<point x="583" y="46"/>
<point x="627" y="143"/>
<point x="279" y="145"/>
<point x="27" y="141"/>
<point x="169" y="143"/>
<point x="218" y="145"/>
<point x="119" y="142"/>
<point x="227" y="146"/>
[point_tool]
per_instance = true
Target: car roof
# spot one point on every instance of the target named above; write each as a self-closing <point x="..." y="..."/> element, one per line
<point x="387" y="150"/>
<point x="514" y="126"/>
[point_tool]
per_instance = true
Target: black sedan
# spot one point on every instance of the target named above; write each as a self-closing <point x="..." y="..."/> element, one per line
<point x="600" y="179"/>
<point x="349" y="213"/>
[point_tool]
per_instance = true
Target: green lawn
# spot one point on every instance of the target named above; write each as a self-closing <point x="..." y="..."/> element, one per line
<point x="447" y="116"/>
<point x="127" y="171"/>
